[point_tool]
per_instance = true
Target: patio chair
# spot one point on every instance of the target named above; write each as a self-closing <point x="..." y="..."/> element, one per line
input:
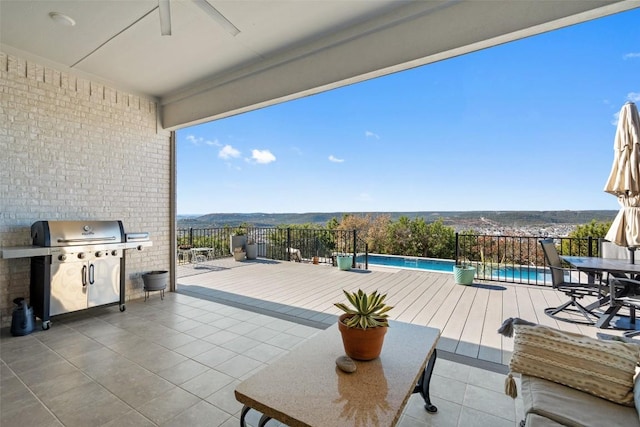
<point x="575" y="290"/>
<point x="629" y="297"/>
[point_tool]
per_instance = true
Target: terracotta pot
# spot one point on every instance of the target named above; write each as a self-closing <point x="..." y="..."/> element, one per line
<point x="361" y="344"/>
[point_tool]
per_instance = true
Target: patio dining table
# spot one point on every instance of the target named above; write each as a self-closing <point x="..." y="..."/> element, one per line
<point x="613" y="266"/>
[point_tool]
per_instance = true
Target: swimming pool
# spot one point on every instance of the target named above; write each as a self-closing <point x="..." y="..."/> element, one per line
<point x="510" y="273"/>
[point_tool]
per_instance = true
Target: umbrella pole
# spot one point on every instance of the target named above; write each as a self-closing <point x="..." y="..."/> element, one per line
<point x="632" y="255"/>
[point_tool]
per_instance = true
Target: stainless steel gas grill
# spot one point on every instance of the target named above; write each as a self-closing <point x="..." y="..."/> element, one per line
<point x="77" y="265"/>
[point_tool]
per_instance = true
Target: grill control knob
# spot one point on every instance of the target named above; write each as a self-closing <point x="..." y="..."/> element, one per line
<point x="98" y="254"/>
<point x="81" y="255"/>
<point x="114" y="253"/>
<point x="62" y="257"/>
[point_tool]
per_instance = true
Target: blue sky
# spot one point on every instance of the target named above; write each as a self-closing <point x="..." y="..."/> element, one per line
<point x="528" y="125"/>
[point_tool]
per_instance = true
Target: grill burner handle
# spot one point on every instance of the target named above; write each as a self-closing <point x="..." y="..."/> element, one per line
<point x="91" y="274"/>
<point x="84" y="276"/>
<point x="93" y="239"/>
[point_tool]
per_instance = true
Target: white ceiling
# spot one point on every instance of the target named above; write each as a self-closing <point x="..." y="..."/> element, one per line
<point x="284" y="49"/>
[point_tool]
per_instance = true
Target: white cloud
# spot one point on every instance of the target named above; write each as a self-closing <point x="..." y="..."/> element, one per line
<point x="228" y="152"/>
<point x="262" y="156"/>
<point x="335" y="159"/>
<point x="370" y="134"/>
<point x="631" y="55"/>
<point x="196" y="140"/>
<point x="633" y="96"/>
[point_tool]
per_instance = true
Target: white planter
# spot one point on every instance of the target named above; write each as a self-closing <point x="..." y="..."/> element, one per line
<point x="252" y="251"/>
<point x="237" y="242"/>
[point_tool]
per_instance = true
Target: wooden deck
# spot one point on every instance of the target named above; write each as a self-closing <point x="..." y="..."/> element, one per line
<point x="468" y="316"/>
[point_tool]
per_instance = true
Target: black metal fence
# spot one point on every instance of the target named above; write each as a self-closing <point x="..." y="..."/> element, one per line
<point x="314" y="245"/>
<point x="516" y="259"/>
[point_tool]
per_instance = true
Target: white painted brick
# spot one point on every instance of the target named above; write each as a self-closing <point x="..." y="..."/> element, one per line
<point x="75" y="149"/>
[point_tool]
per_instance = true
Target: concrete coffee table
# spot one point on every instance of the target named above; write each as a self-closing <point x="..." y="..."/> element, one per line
<point x="305" y="388"/>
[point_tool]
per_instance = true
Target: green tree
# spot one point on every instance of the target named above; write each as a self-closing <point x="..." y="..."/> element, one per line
<point x="579" y="245"/>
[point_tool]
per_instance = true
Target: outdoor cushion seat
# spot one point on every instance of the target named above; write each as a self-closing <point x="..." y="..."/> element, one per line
<point x="535" y="420"/>
<point x="571" y="407"/>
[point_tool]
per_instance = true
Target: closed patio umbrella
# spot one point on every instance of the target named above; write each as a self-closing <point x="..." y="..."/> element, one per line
<point x="624" y="180"/>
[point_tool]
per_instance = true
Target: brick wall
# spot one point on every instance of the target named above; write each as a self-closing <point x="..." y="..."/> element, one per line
<point x="73" y="149"/>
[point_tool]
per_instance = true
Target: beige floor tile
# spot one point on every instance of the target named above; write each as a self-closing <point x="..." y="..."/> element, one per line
<point x="161" y="360"/>
<point x="136" y="387"/>
<point x="185" y="325"/>
<point x="88" y="404"/>
<point x="449" y="369"/>
<point x="175" y="340"/>
<point x="487" y="379"/>
<point x="202" y="414"/>
<point x="221" y="337"/>
<point x="240" y="344"/>
<point x="489" y="401"/>
<point x="183" y="371"/>
<point x="261" y="333"/>
<point x="28" y="413"/>
<point x="202" y="331"/>
<point x="470" y="417"/>
<point x="48" y="390"/>
<point x="194" y="348"/>
<point x="242" y="328"/>
<point x="168" y="405"/>
<point x="225" y="399"/>
<point x="214" y="357"/>
<point x="264" y="352"/>
<point x="448" y="389"/>
<point x="130" y="419"/>
<point x="238" y="366"/>
<point x="285" y="341"/>
<point x="209" y="318"/>
<point x="204" y="385"/>
<point x="446" y="416"/>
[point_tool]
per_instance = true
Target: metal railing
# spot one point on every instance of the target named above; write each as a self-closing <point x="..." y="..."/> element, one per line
<point x="503" y="258"/>
<point x="279" y="243"/>
<point x="516" y="259"/>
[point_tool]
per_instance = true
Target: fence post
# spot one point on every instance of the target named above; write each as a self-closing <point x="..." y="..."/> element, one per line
<point x="355" y="252"/>
<point x="288" y="244"/>
<point x="191" y="236"/>
<point x="590" y="249"/>
<point x="457" y="248"/>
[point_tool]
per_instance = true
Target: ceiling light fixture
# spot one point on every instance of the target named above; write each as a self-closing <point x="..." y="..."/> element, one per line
<point x="62" y="19"/>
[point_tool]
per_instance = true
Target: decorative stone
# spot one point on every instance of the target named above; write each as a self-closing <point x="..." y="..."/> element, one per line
<point x="346" y="364"/>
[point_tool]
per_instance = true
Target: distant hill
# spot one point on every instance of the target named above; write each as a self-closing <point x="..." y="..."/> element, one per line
<point x="505" y="218"/>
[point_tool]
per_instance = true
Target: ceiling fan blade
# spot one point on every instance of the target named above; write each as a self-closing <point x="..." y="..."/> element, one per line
<point x="165" y="17"/>
<point x="217" y="16"/>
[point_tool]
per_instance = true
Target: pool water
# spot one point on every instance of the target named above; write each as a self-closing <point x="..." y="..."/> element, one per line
<point x="503" y="273"/>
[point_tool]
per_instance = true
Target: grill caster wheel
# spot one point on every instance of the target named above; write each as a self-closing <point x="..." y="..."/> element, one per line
<point x="46" y="325"/>
<point x="122" y="308"/>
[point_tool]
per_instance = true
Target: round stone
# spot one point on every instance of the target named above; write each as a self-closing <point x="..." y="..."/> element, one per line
<point x="346" y="364"/>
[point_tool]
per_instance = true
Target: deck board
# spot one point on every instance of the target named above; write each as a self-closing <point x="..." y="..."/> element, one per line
<point x="468" y="316"/>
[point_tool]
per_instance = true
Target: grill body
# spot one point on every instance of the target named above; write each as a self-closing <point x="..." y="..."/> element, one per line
<point x="84" y="268"/>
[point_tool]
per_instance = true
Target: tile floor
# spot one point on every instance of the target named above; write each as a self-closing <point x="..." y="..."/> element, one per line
<point x="176" y="363"/>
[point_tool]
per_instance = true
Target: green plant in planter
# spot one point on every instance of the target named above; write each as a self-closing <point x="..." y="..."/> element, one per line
<point x="367" y="311"/>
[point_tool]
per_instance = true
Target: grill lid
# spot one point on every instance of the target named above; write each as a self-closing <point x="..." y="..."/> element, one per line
<point x="74" y="233"/>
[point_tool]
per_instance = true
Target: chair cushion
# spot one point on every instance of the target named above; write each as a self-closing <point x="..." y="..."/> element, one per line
<point x="535" y="420"/>
<point x="603" y="368"/>
<point x="571" y="407"/>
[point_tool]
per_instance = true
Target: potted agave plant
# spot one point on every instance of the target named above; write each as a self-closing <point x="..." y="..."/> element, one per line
<point x="363" y="324"/>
